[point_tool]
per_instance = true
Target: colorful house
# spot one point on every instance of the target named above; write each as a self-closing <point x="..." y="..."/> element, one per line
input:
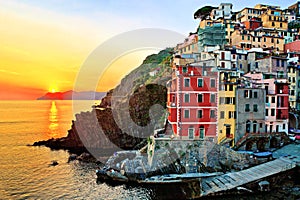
<point x="227" y="106"/>
<point x="193" y="101"/>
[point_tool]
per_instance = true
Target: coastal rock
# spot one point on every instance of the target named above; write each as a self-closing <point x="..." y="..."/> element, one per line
<point x="121" y="122"/>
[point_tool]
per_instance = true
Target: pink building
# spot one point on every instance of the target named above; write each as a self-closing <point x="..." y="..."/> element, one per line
<point x="277" y="102"/>
<point x="292" y="46"/>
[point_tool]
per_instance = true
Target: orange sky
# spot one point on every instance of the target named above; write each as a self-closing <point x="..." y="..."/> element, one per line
<point x="43" y="44"/>
<point x="41" y="52"/>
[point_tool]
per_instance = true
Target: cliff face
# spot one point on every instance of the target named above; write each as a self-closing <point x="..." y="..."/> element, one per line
<point x="126" y="116"/>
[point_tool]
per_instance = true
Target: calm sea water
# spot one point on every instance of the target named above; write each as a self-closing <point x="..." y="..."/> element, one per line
<point x="24" y="170"/>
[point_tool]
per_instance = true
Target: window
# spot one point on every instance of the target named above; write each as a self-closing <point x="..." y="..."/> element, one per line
<point x="222" y="100"/>
<point x="272" y="112"/>
<point x="186" y="98"/>
<point x="200" y="82"/>
<point x="199" y="114"/>
<point x="184" y="69"/>
<point x="186" y="113"/>
<point x="200" y="98"/>
<point x="273" y="99"/>
<point x="277" y="62"/>
<point x="248" y="37"/>
<point x="248" y="123"/>
<point x="292" y="92"/>
<point x="247" y="93"/>
<point x="186" y="82"/>
<point x="222" y="55"/>
<point x="222" y="64"/>
<point x="256" y="64"/>
<point x="230" y="100"/>
<point x="265" y="40"/>
<point x="222" y="114"/>
<point x="232" y="115"/>
<point x="212" y="83"/>
<point x="267" y="112"/>
<point x="241" y="66"/>
<point x="267" y="99"/>
<point x="212" y="114"/>
<point x="282" y="63"/>
<point x="191" y="133"/>
<point x="283" y="126"/>
<point x="254" y="127"/>
<point x="230" y="87"/>
<point x="255" y="95"/>
<point x="247" y="107"/>
<point x="255" y="108"/>
<point x="212" y="98"/>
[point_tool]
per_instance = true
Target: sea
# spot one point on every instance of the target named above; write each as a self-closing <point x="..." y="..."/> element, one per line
<point x="26" y="171"/>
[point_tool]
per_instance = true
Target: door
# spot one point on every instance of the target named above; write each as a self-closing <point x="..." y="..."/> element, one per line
<point x="227" y="131"/>
<point x="202" y="132"/>
<point x="191" y="133"/>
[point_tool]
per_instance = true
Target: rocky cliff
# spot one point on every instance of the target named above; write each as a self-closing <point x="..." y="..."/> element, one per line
<point x="126" y="115"/>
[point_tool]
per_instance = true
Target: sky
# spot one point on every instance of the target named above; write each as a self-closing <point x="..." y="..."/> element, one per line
<point x="44" y="44"/>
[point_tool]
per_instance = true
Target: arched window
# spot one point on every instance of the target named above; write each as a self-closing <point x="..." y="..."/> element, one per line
<point x="254" y="126"/>
<point x="248" y="124"/>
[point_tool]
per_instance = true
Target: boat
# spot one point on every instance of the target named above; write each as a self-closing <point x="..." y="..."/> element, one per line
<point x="266" y="154"/>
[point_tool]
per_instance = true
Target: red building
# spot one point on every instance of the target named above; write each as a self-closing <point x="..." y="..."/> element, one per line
<point x="253" y="23"/>
<point x="282" y="93"/>
<point x="193" y="100"/>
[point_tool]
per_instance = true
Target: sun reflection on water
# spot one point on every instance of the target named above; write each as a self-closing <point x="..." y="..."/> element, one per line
<point x="53" y="120"/>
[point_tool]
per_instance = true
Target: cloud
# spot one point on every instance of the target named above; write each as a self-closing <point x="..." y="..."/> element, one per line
<point x="9" y="72"/>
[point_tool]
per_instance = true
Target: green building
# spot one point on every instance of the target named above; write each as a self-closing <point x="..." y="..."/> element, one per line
<point x="211" y="36"/>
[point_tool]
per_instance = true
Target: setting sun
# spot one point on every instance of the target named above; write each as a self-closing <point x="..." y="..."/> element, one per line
<point x="53" y="89"/>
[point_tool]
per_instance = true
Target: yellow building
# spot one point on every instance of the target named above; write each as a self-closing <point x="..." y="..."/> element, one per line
<point x="189" y="46"/>
<point x="273" y="18"/>
<point x="248" y="13"/>
<point x="265" y="7"/>
<point x="257" y="39"/>
<point x="227" y="107"/>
